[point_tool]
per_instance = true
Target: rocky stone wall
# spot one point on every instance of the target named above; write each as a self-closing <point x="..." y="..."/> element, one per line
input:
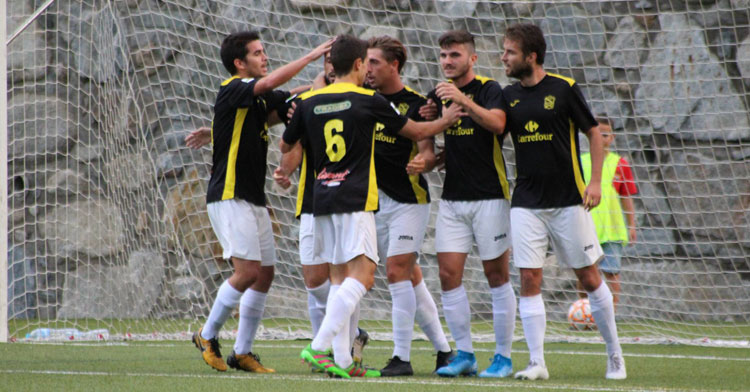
<point x="102" y="94"/>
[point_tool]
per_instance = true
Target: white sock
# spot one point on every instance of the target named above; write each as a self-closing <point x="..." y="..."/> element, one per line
<point x="339" y="311"/>
<point x="251" y="312"/>
<point x="534" y="320"/>
<point x="428" y="319"/>
<point x="603" y="310"/>
<point x="354" y="325"/>
<point x="458" y="317"/>
<point x="403" y="311"/>
<point x="317" y="298"/>
<point x="342" y="344"/>
<point x="227" y="299"/>
<point x="504" y="318"/>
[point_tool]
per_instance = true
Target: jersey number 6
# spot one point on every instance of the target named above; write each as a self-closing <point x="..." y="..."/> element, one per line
<point x="335" y="144"/>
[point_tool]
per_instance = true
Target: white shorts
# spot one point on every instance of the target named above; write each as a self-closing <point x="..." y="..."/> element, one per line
<point x="307" y="239"/>
<point x="400" y="226"/>
<point x="342" y="237"/>
<point x="570" y="228"/>
<point x="485" y="221"/>
<point x="244" y="230"/>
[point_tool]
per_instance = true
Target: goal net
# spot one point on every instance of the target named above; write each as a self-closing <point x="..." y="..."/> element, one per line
<point x="107" y="223"/>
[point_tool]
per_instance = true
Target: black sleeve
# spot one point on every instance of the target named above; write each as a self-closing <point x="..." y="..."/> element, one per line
<point x="413" y="112"/>
<point x="283" y="109"/>
<point x="295" y="129"/>
<point x="503" y="104"/>
<point x="240" y="92"/>
<point x="386" y="114"/>
<point x="275" y="99"/>
<point x="579" y="110"/>
<point x="491" y="95"/>
<point x="433" y="96"/>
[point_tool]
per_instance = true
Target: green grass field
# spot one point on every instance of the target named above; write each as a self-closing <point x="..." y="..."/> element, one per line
<point x="177" y="366"/>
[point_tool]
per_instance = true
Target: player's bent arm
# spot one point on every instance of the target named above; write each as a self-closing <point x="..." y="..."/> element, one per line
<point x="292" y="159"/>
<point x="424" y="161"/>
<point x="285" y="147"/>
<point x="492" y="120"/>
<point x="424" y="129"/>
<point x="283" y="74"/>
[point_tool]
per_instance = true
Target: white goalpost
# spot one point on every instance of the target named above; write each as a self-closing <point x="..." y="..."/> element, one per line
<point x="105" y="226"/>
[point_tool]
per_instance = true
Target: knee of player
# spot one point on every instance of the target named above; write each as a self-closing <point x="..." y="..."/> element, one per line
<point x="397" y="271"/>
<point x="531" y="278"/>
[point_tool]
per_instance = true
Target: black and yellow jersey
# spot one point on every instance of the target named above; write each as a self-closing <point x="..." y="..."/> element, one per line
<point x="239" y="134"/>
<point x="393" y="153"/>
<point x="543" y="121"/>
<point x="474" y="163"/>
<point x="338" y="123"/>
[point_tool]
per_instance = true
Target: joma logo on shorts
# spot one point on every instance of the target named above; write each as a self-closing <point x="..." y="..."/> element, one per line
<point x="405" y="237"/>
<point x="587" y="247"/>
<point x="501" y="236"/>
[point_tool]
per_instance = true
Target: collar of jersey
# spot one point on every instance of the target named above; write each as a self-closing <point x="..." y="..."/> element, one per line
<point x="338" y="88"/>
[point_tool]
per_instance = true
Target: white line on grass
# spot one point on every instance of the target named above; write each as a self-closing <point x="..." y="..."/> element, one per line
<point x="384" y="348"/>
<point x="281" y="377"/>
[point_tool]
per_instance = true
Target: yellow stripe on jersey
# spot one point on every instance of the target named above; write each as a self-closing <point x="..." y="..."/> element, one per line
<point x="580" y="184"/>
<point x="301" y="186"/>
<point x="337" y="88"/>
<point x="567" y="79"/>
<point x="409" y="89"/>
<point x="497" y="157"/>
<point x="224" y="83"/>
<point x="419" y="192"/>
<point x="372" y="189"/>
<point x="234" y="147"/>
<point x="482" y="79"/>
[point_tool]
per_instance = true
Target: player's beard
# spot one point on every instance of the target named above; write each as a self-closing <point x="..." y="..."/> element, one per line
<point x="521" y="71"/>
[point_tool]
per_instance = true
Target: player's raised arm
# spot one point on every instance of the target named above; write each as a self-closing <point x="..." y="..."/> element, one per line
<point x="283" y="74"/>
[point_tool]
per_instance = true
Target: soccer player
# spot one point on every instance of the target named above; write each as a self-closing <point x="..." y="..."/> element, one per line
<point x="617" y="187"/>
<point x="336" y="124"/>
<point x="236" y="200"/>
<point x="314" y="272"/>
<point x="404" y="210"/>
<point x="544" y="113"/>
<point x="474" y="205"/>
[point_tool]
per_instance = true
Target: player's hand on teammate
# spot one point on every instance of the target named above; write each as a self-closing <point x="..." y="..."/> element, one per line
<point x="453" y="113"/>
<point x="429" y="110"/>
<point x="198" y="138"/>
<point x="592" y="196"/>
<point x="290" y="112"/>
<point x="417" y="165"/>
<point x="449" y="92"/>
<point x="322" y="49"/>
<point x="281" y="178"/>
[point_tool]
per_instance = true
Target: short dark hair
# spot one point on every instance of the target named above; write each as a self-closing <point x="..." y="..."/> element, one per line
<point x="392" y="49"/>
<point x="457" y="37"/>
<point x="234" y="46"/>
<point x="344" y="51"/>
<point x="531" y="39"/>
<point x="603" y="119"/>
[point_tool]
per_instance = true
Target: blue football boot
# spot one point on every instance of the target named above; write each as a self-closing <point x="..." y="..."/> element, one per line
<point x="464" y="364"/>
<point x="500" y="367"/>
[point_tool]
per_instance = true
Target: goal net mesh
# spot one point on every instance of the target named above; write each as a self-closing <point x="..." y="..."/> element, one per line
<point x="106" y="205"/>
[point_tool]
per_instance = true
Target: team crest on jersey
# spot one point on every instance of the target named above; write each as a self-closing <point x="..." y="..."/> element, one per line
<point x="403" y="107"/>
<point x="531" y="126"/>
<point x="549" y="102"/>
<point x="514" y="103"/>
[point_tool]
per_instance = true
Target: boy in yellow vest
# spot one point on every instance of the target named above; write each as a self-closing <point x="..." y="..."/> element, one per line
<point x="617" y="187"/>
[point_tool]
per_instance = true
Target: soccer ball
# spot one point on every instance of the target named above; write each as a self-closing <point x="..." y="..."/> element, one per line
<point x="579" y="315"/>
